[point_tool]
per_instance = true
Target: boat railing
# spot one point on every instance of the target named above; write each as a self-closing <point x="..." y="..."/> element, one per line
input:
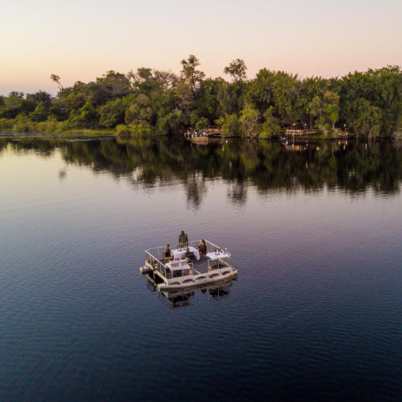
<point x="214" y="247"/>
<point x="155" y="262"/>
<point x="158" y="252"/>
<point x="220" y="263"/>
<point x="211" y="247"/>
<point x="156" y="255"/>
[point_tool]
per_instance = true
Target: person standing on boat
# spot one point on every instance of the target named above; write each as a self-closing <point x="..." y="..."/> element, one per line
<point x="189" y="255"/>
<point x="168" y="253"/>
<point x="183" y="239"/>
<point x="202" y="247"/>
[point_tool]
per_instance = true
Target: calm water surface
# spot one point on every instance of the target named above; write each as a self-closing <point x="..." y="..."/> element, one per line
<point x="315" y="315"/>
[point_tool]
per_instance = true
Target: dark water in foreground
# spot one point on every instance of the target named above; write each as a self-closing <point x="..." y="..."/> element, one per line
<point x="315" y="315"/>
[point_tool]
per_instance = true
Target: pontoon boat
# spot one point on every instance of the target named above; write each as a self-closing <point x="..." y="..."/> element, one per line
<point x="188" y="267"/>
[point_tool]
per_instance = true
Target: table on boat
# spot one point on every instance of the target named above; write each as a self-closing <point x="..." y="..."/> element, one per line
<point x="215" y="255"/>
<point x="180" y="253"/>
<point x="178" y="265"/>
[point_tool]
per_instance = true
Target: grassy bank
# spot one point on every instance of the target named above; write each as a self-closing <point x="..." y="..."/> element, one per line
<point x="23" y="127"/>
<point x="59" y="130"/>
<point x="48" y="129"/>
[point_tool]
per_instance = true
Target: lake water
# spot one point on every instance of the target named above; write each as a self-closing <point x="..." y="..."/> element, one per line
<point x="315" y="231"/>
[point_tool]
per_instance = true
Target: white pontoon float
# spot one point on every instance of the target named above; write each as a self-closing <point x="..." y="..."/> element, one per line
<point x="188" y="268"/>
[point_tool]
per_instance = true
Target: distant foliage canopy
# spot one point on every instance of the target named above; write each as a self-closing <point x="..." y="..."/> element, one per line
<point x="156" y="102"/>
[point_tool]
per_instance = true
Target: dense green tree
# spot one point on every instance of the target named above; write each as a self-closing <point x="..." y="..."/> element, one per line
<point x="324" y="110"/>
<point x="260" y="91"/>
<point x="39" y="97"/>
<point x="188" y="86"/>
<point x="367" y="119"/>
<point x="170" y="123"/>
<point x="13" y="105"/>
<point x="207" y="102"/>
<point x="381" y="88"/>
<point x="331" y="108"/>
<point x="314" y="110"/>
<point x="112" y="113"/>
<point x="114" y="84"/>
<point x="190" y="74"/>
<point x="270" y="126"/>
<point x="250" y="121"/>
<point x="139" y="110"/>
<point x="85" y="117"/>
<point x="232" y="97"/>
<point x="230" y="125"/>
<point x="40" y="113"/>
<point x="285" y="94"/>
<point x="310" y="92"/>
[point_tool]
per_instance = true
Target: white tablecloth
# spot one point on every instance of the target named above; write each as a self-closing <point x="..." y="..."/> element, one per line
<point x="180" y="253"/>
<point x="214" y="255"/>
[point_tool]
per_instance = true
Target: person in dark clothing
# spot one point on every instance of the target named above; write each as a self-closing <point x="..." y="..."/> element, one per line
<point x="183" y="239"/>
<point x="168" y="253"/>
<point x="202" y="247"/>
<point x="189" y="255"/>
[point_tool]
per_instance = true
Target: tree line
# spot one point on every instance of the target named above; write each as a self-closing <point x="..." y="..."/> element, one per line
<point x="150" y="101"/>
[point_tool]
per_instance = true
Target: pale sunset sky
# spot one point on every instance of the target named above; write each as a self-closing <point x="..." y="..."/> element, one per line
<point x="82" y="39"/>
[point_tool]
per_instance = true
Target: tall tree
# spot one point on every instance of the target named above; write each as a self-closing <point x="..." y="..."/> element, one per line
<point x="188" y="86"/>
<point x="237" y="69"/>
<point x="189" y="73"/>
<point x="57" y="79"/>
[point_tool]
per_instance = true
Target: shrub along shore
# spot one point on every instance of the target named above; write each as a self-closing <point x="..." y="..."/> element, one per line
<point x="151" y="102"/>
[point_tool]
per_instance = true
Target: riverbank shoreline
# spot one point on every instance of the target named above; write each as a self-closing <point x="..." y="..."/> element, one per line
<point x="83" y="135"/>
<point x="89" y="135"/>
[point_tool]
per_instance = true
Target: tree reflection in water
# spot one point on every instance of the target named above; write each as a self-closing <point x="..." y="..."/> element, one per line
<point x="271" y="167"/>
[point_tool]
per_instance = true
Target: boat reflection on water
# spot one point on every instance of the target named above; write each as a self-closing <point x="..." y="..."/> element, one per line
<point x="183" y="298"/>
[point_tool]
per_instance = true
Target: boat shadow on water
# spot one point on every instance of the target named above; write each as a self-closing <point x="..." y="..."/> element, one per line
<point x="183" y="298"/>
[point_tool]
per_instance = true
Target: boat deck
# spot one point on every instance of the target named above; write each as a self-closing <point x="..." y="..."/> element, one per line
<point x="200" y="266"/>
<point x="195" y="267"/>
